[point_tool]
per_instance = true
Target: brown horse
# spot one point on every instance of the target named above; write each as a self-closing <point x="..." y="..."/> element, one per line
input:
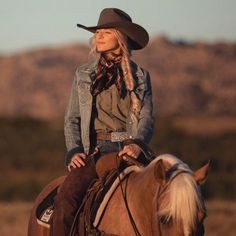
<point x="164" y="198"/>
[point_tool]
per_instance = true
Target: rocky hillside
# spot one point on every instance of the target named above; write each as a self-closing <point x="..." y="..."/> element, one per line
<point x="189" y="79"/>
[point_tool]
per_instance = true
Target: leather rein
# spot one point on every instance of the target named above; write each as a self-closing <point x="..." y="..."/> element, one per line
<point x="149" y="155"/>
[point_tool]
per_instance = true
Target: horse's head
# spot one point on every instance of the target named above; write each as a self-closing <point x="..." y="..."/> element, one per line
<point x="179" y="206"/>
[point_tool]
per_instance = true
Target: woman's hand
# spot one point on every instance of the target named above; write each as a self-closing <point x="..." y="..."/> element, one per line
<point x="77" y="161"/>
<point x="132" y="150"/>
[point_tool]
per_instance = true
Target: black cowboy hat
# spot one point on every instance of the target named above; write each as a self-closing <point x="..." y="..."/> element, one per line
<point x="116" y="18"/>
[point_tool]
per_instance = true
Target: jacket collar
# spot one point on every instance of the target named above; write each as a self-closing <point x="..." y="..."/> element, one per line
<point x="136" y="70"/>
<point x="90" y="67"/>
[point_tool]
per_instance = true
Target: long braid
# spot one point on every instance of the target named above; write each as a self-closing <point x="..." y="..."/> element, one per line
<point x="135" y="105"/>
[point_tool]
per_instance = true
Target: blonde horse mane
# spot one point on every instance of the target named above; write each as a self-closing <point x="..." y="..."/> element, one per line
<point x="182" y="199"/>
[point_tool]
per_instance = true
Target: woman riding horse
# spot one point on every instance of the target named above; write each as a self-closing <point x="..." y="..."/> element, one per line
<point x="110" y="101"/>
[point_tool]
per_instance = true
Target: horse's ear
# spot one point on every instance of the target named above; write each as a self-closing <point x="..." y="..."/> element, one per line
<point x="159" y="172"/>
<point x="200" y="175"/>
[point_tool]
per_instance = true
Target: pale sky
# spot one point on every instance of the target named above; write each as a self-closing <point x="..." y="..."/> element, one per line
<point x="27" y="24"/>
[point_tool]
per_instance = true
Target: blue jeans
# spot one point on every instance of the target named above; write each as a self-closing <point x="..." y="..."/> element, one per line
<point x="108" y="146"/>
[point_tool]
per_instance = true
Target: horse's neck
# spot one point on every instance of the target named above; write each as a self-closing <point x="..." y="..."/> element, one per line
<point x="142" y="186"/>
<point x="141" y="192"/>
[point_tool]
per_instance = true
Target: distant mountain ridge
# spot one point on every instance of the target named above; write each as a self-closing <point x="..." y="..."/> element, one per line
<point x="188" y="79"/>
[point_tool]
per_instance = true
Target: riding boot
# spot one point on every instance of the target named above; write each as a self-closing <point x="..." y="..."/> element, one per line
<point x="70" y="197"/>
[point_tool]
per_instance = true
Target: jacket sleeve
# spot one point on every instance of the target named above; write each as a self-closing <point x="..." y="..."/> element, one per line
<point x="72" y="124"/>
<point x="146" y="120"/>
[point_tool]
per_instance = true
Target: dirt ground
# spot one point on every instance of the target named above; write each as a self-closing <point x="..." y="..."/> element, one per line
<point x="221" y="218"/>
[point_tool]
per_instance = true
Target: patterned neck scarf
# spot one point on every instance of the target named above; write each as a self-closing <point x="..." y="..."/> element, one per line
<point x="108" y="72"/>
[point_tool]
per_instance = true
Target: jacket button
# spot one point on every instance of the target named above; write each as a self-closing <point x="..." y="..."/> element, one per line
<point x="130" y="122"/>
<point x="130" y="136"/>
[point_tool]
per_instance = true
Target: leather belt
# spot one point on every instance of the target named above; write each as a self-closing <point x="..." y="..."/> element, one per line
<point x="112" y="136"/>
<point x="103" y="136"/>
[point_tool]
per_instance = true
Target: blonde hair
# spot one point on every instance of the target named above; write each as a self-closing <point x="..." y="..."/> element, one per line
<point x="125" y="52"/>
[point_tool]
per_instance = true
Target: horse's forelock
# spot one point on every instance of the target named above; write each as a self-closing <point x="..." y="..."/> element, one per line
<point x="182" y="199"/>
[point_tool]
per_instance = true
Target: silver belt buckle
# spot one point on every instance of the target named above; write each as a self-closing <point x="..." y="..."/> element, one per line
<point x="118" y="136"/>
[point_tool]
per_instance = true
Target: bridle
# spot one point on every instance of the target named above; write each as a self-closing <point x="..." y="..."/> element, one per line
<point x="171" y="174"/>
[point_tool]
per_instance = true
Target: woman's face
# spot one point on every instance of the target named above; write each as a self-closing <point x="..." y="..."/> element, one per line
<point x="105" y="40"/>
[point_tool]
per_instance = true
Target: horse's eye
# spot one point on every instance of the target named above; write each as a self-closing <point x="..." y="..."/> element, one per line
<point x="164" y="219"/>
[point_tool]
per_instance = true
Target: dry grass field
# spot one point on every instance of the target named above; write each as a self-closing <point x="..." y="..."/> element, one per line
<point x="221" y="220"/>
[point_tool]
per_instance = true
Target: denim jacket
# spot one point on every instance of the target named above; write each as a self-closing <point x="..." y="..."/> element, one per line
<point x="77" y="126"/>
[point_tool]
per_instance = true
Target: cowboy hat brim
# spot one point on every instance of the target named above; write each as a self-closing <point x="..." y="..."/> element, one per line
<point x="136" y="33"/>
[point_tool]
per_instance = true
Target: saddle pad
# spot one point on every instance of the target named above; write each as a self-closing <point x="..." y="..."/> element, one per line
<point x="43" y="210"/>
<point x="46" y="218"/>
